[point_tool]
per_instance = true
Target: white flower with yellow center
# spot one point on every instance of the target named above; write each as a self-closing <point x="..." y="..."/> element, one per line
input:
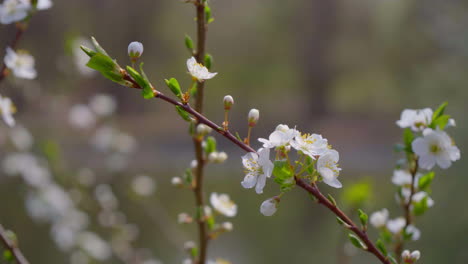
<point x="258" y="168"/>
<point x="327" y="166"/>
<point x="14" y="11"/>
<point x="281" y="137"/>
<point x="7" y="109"/>
<point x="435" y="147"/>
<point x="312" y="145"/>
<point x="198" y="71"/>
<point x="22" y="64"/>
<point x="417" y="120"/>
<point x="223" y="204"/>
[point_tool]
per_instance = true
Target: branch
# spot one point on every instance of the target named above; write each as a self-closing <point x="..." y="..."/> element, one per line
<point x="12" y="247"/>
<point x="310" y="188"/>
<point x="20" y="29"/>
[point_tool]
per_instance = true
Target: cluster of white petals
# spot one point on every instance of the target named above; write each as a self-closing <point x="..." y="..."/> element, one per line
<point x="16" y="10"/>
<point x="223" y="204"/>
<point x="258" y="168"/>
<point x="435" y="147"/>
<point x="6" y="110"/>
<point x="198" y="71"/>
<point x="410" y="257"/>
<point x="143" y="185"/>
<point x="379" y="218"/>
<point x="20" y="63"/>
<point x="417" y="120"/>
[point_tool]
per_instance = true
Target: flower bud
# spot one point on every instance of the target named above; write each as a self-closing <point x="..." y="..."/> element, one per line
<point x="213" y="157"/>
<point x="222" y="157"/>
<point x="415" y="255"/>
<point x="227" y="226"/>
<point x="253" y="116"/>
<point x="203" y="129"/>
<point x="405" y="255"/>
<point x="193" y="164"/>
<point x="410" y="258"/>
<point x="135" y="49"/>
<point x="268" y="207"/>
<point x="176" y="181"/>
<point x="228" y="102"/>
<point x="184" y="218"/>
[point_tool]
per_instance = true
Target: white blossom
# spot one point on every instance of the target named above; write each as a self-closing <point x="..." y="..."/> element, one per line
<point x="435" y="147"/>
<point x="144" y="185"/>
<point x="222" y="157"/>
<point x="103" y="104"/>
<point x="328" y="168"/>
<point x="417" y="120"/>
<point x="203" y="129"/>
<point x="198" y="71"/>
<point x="227" y="226"/>
<point x="14" y="11"/>
<point x="269" y="207"/>
<point x="21" y="138"/>
<point x="94" y="246"/>
<point x="410" y="257"/>
<point x="20" y="63"/>
<point x="281" y="137"/>
<point x="419" y="196"/>
<point x="379" y="218"/>
<point x="176" y="181"/>
<point x="7" y="109"/>
<point x="396" y="225"/>
<point x="311" y="145"/>
<point x="414" y="232"/>
<point x="44" y="4"/>
<point x="404" y="178"/>
<point x="223" y="204"/>
<point x="81" y="116"/>
<point x="258" y="168"/>
<point x="184" y="218"/>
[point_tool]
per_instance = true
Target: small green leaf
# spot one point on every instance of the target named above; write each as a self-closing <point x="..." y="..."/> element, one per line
<point x="208" y="61"/>
<point x="392" y="259"/>
<point x="208" y="14"/>
<point x="98" y="47"/>
<point x="331" y="199"/>
<point x="189" y="43"/>
<point x="193" y="89"/>
<point x="210" y="221"/>
<point x="147" y="91"/>
<point x="420" y="207"/>
<point x="107" y="67"/>
<point x="183" y="113"/>
<point x="381" y="246"/>
<point x="425" y="181"/>
<point x="363" y="217"/>
<point x="7" y="255"/>
<point x="441" y="122"/>
<point x="284" y="175"/>
<point x="356" y="242"/>
<point x="88" y="51"/>
<point x="439" y="111"/>
<point x="188" y="177"/>
<point x="210" y="145"/>
<point x="341" y="222"/>
<point x="173" y="84"/>
<point x="408" y="138"/>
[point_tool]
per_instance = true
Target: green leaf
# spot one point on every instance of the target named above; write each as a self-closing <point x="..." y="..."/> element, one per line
<point x="183" y="113"/>
<point x="7" y="255"/>
<point x="142" y="80"/>
<point x="210" y="221"/>
<point x="308" y="163"/>
<point x="381" y="246"/>
<point x="98" y="47"/>
<point x="284" y="175"/>
<point x="341" y="222"/>
<point x="210" y="145"/>
<point x="441" y="122"/>
<point x="420" y="207"/>
<point x="208" y="61"/>
<point x="188" y="176"/>
<point x="189" y="43"/>
<point x="392" y="259"/>
<point x="356" y="241"/>
<point x="425" y="181"/>
<point x="408" y="138"/>
<point x="386" y="236"/>
<point x="208" y="14"/>
<point x="107" y="67"/>
<point x="331" y="199"/>
<point x="173" y="84"/>
<point x="88" y="51"/>
<point x="356" y="194"/>
<point x="439" y="111"/>
<point x="363" y="217"/>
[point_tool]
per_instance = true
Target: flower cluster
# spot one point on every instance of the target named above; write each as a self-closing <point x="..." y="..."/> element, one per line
<point x="17" y="10"/>
<point x="316" y="161"/>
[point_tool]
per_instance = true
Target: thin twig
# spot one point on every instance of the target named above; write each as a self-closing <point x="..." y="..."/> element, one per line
<point x="12" y="247"/>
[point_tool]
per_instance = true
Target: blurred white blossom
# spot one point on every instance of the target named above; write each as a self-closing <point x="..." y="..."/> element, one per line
<point x="102" y="104"/>
<point x="14" y="11"/>
<point x="379" y="218"/>
<point x="396" y="225"/>
<point x="81" y="116"/>
<point x="223" y="204"/>
<point x="143" y="185"/>
<point x="94" y="246"/>
<point x="20" y="63"/>
<point x="7" y="109"/>
<point x="21" y="138"/>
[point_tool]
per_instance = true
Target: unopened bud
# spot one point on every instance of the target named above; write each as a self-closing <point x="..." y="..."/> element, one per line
<point x="415" y="255"/>
<point x="135" y="49"/>
<point x="222" y="157"/>
<point x="193" y="164"/>
<point x="253" y="116"/>
<point x="176" y="181"/>
<point x="228" y="102"/>
<point x="269" y="207"/>
<point x="410" y="258"/>
<point x="213" y="157"/>
<point x="203" y="129"/>
<point x="227" y="226"/>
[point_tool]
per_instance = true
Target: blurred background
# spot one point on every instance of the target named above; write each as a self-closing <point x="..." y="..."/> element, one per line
<point x="343" y="69"/>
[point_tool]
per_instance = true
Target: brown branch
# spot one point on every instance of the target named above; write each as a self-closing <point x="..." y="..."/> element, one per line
<point x="199" y="170"/>
<point x="20" y="28"/>
<point x="12" y="247"/>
